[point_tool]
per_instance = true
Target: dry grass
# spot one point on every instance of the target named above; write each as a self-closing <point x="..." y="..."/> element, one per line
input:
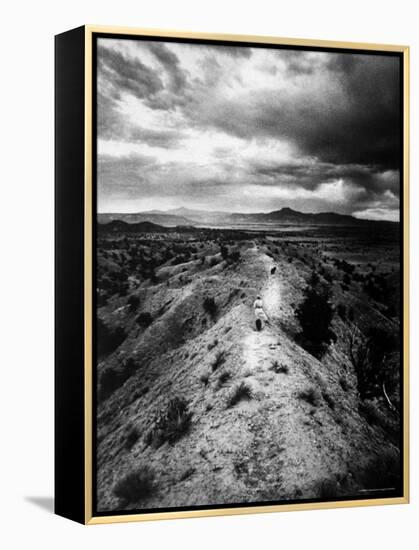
<point x="241" y="392"/>
<point x="135" y="486"/>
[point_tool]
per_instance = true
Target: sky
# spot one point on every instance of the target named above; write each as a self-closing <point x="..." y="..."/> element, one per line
<point x="246" y="129"/>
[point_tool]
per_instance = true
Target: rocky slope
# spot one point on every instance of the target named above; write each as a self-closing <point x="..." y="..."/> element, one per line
<point x="296" y="432"/>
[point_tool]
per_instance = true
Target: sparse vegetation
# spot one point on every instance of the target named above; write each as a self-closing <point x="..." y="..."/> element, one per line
<point x="198" y="285"/>
<point x="341" y="310"/>
<point x="144" y="319"/>
<point x="171" y="423"/>
<point x="135" y="486"/>
<point x="223" y="378"/>
<point x="111" y="378"/>
<point x="240" y="392"/>
<point x="132" y="438"/>
<point x="370" y="355"/>
<point x="329" y="400"/>
<point x="315" y="315"/>
<point x="109" y="338"/>
<point x="343" y="383"/>
<point x="204" y="378"/>
<point x="310" y="395"/>
<point x="210" y="306"/>
<point x="279" y="368"/>
<point x="219" y="359"/>
<point x="133" y="302"/>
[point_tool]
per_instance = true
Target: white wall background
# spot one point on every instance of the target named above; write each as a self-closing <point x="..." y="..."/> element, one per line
<point x="26" y="233"/>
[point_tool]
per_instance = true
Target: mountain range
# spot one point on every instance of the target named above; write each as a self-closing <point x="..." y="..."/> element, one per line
<point x="189" y="217"/>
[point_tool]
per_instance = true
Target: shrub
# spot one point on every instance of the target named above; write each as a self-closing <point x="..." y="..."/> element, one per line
<point x="341" y="309"/>
<point x="235" y="256"/>
<point x="329" y="400"/>
<point x="219" y="359"/>
<point x="223" y="378"/>
<point x="369" y="356"/>
<point x="133" y="302"/>
<point x="210" y="306"/>
<point x="224" y="252"/>
<point x="343" y="383"/>
<point x="144" y="319"/>
<point x="111" y="378"/>
<point x="279" y="368"/>
<point x="204" y="378"/>
<point x="131" y="439"/>
<point x="136" y="485"/>
<point x="109" y="338"/>
<point x="309" y="395"/>
<point x="171" y="424"/>
<point x="241" y="392"/>
<point x="212" y="345"/>
<point x="315" y="315"/>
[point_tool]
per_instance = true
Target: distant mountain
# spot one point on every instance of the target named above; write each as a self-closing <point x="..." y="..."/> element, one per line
<point x="156" y="217"/>
<point x="288" y="215"/>
<point x="284" y="216"/>
<point x="118" y="226"/>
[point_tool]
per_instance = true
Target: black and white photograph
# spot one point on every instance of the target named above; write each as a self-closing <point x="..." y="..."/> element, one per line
<point x="248" y="278"/>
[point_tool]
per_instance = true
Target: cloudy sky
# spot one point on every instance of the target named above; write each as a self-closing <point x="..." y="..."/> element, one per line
<point x="246" y="129"/>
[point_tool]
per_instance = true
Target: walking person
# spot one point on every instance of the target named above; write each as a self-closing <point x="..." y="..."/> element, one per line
<point x="260" y="314"/>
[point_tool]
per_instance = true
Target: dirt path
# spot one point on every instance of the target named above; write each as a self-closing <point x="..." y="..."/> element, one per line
<point x="287" y="435"/>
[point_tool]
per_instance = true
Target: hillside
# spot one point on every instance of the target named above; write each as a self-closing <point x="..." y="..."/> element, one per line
<point x="186" y="216"/>
<point x="298" y="428"/>
<point x="158" y="218"/>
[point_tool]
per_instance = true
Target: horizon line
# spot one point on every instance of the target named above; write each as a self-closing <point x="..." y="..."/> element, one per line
<point x="170" y="210"/>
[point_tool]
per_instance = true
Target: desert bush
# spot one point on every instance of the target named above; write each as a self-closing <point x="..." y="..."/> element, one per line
<point x="310" y="395"/>
<point x="219" y="359"/>
<point x="347" y="279"/>
<point x="109" y="382"/>
<point x="133" y="302"/>
<point x="144" y="319"/>
<point x="132" y="438"/>
<point x="135" y="486"/>
<point x="329" y="400"/>
<point x="204" y="378"/>
<point x="223" y="378"/>
<point x="171" y="423"/>
<point x="112" y="378"/>
<point x="210" y="306"/>
<point x="235" y="256"/>
<point x="343" y="383"/>
<point x="315" y="315"/>
<point x="341" y="310"/>
<point x="212" y="345"/>
<point x="109" y="338"/>
<point x="224" y="252"/>
<point x="369" y="353"/>
<point x="241" y="391"/>
<point x="279" y="368"/>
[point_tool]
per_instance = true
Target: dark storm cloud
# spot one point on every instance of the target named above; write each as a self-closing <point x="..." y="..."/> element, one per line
<point x="311" y="175"/>
<point x="354" y="120"/>
<point x="126" y="74"/>
<point x="171" y="63"/>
